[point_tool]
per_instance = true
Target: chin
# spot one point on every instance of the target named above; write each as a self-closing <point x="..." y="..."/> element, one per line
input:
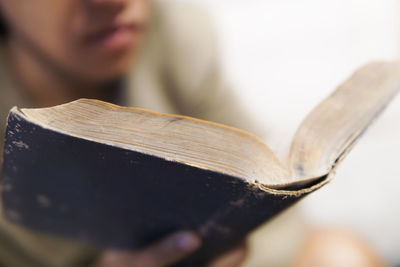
<point x="95" y="63"/>
<point x="100" y="72"/>
<point x="109" y="74"/>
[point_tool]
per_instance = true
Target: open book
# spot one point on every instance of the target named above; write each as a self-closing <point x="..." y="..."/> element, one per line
<point x="123" y="177"/>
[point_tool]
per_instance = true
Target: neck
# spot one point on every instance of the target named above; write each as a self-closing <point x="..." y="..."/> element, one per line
<point x="48" y="85"/>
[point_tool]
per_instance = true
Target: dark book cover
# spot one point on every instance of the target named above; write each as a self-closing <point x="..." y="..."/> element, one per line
<point x="116" y="198"/>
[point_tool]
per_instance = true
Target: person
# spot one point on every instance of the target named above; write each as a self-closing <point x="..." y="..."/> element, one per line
<point x="159" y="56"/>
<point x="156" y="55"/>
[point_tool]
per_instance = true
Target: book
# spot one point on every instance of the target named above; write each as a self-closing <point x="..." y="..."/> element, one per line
<point x="119" y="177"/>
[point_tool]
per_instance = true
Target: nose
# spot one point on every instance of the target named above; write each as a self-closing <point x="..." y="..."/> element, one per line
<point x="107" y="1"/>
<point x="105" y="4"/>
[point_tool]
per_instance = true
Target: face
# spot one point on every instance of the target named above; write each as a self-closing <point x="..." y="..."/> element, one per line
<point x="91" y="39"/>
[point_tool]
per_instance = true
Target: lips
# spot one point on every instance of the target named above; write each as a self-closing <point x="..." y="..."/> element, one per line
<point x="116" y="37"/>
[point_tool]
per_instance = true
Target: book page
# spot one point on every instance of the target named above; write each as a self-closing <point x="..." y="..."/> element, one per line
<point x="194" y="142"/>
<point x="332" y="128"/>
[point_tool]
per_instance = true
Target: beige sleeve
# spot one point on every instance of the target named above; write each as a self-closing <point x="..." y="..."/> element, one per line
<point x="194" y="80"/>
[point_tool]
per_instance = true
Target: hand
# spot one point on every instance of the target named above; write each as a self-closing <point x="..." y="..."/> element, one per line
<point x="165" y="252"/>
<point x="233" y="258"/>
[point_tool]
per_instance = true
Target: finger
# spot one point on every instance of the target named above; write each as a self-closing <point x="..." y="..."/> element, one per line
<point x="232" y="258"/>
<point x="169" y="250"/>
<point x="116" y="258"/>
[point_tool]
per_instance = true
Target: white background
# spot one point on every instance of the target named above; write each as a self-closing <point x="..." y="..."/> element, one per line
<point x="283" y="57"/>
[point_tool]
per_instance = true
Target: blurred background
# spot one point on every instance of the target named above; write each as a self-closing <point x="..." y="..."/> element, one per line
<point x="282" y="58"/>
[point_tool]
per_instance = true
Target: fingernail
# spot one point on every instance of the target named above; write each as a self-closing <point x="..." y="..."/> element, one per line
<point x="187" y="241"/>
